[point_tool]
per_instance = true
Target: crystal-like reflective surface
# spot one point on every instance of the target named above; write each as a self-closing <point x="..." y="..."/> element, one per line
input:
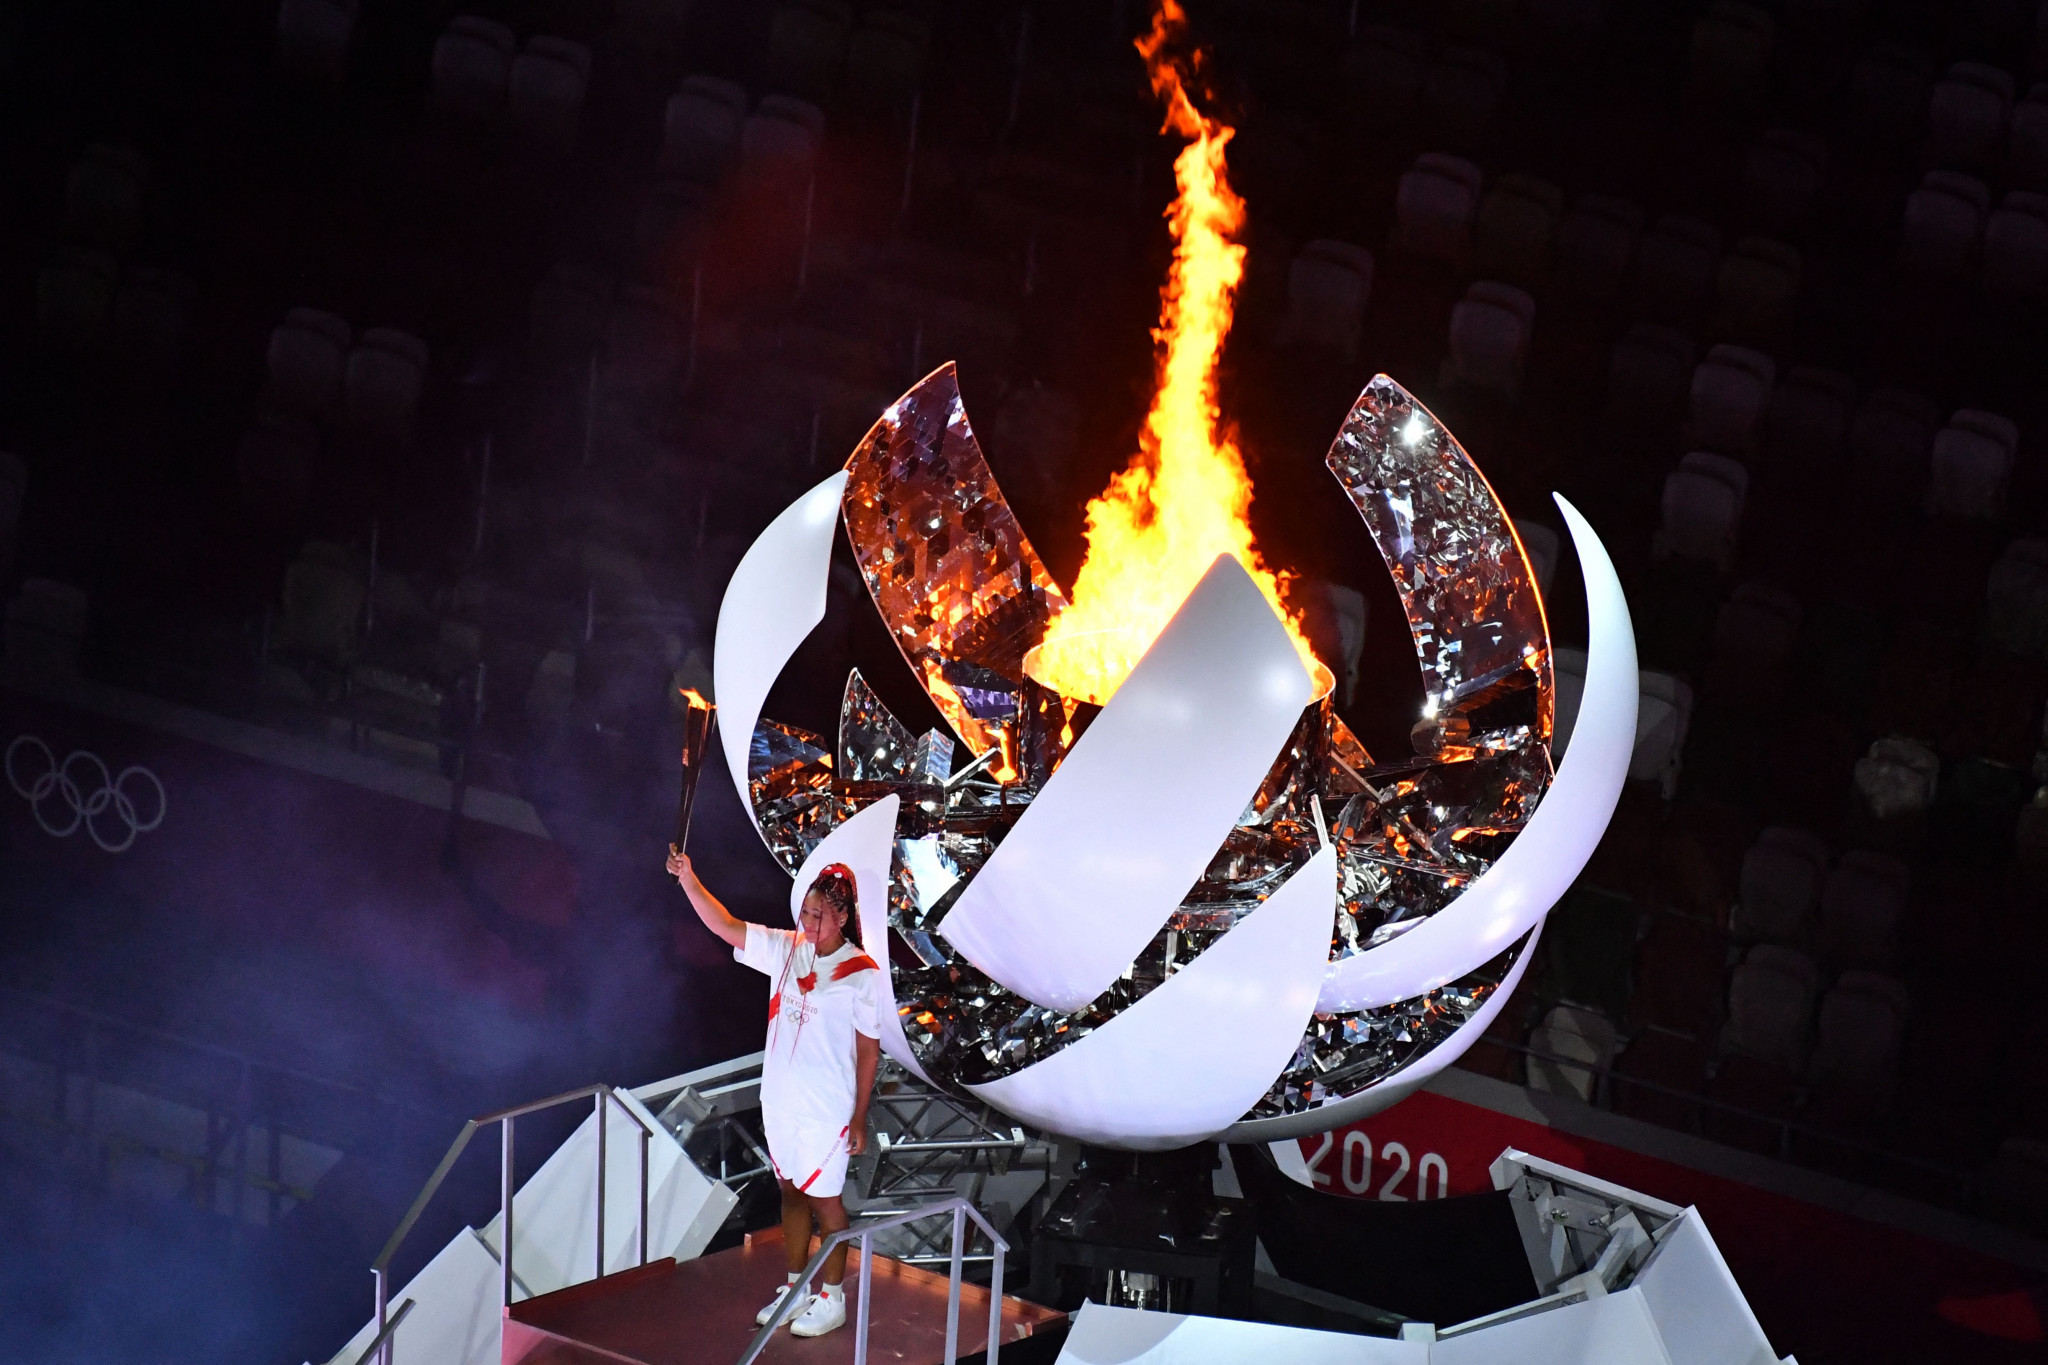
<point x="1465" y="584"/>
<point x="952" y="574"/>
<point x="1342" y="1054"/>
<point x="789" y="780"/>
<point x="932" y="759"/>
<point x="874" y="746"/>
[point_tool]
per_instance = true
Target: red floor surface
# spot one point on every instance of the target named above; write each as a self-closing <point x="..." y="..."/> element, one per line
<point x="702" y="1311"/>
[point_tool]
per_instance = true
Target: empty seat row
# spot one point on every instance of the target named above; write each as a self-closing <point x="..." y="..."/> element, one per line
<point x="1663" y="719"/>
<point x="1853" y="911"/>
<point x="816" y="49"/>
<point x="779" y="146"/>
<point x="1975" y="124"/>
<point x="317" y="368"/>
<point x="1489" y="342"/>
<point x="103" y="197"/>
<point x="318" y="373"/>
<point x="1329" y="284"/>
<point x="701" y="127"/>
<point x="1951" y="233"/>
<point x="1969" y="461"/>
<point x="1676" y="271"/>
<point x="1755" y="631"/>
<point x="1395" y="79"/>
<point x="85" y="299"/>
<point x="1568" y="1035"/>
<point x="482" y="76"/>
<point x="1730" y="395"/>
<point x="1731" y="50"/>
<point x="313" y="38"/>
<point x="1515" y="227"/>
<point x="1782" y="178"/>
<point x="1848" y="1050"/>
<point x="1732" y="400"/>
<point x="1702" y="509"/>
<point x="707" y="132"/>
<point x="1972" y="464"/>
<point x="1434" y="205"/>
<point x="2016" y="598"/>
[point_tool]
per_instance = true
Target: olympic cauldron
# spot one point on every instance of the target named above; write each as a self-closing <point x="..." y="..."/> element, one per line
<point x="1200" y="908"/>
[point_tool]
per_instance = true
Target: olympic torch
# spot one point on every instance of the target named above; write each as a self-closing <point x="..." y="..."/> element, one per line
<point x="697" y="717"/>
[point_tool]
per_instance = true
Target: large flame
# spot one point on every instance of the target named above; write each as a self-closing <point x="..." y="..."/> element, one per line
<point x="1184" y="498"/>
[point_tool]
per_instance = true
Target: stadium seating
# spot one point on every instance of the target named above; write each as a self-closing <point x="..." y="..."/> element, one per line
<point x="1435" y="206"/>
<point x="472" y="68"/>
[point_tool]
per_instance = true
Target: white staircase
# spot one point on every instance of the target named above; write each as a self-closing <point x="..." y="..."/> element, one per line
<point x="457" y="1297"/>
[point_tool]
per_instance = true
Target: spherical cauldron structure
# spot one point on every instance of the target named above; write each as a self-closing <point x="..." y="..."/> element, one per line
<point x="1199" y="908"/>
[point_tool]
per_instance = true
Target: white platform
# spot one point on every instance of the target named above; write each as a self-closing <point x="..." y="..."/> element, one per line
<point x="1126" y="1336"/>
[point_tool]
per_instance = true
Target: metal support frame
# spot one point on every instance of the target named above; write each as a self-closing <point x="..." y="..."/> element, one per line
<point x="714" y="1113"/>
<point x="939" y="1141"/>
<point x="962" y="1210"/>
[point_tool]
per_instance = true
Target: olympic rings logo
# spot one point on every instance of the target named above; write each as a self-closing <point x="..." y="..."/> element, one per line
<point x="98" y="802"/>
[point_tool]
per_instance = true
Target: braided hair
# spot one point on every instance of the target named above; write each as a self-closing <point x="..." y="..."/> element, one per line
<point x="835" y="883"/>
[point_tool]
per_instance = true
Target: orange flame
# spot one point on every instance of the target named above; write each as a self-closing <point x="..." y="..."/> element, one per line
<point x="1184" y="498"/>
<point x="694" y="699"/>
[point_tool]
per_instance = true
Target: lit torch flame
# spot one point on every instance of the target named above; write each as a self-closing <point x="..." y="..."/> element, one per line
<point x="696" y="733"/>
<point x="1184" y="498"/>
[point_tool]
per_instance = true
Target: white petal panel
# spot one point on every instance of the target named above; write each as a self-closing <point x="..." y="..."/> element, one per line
<point x="1135" y="813"/>
<point x="1397" y="1087"/>
<point x="865" y="841"/>
<point x="1512" y="896"/>
<point x="1188" y="1059"/>
<point x="776" y="598"/>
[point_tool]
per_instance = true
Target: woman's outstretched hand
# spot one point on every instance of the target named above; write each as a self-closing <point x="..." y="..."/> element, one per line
<point x="679" y="867"/>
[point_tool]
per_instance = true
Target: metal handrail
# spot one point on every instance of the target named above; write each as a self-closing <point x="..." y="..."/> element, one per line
<point x="1008" y="1144"/>
<point x="377" y="1344"/>
<point x="962" y="1210"/>
<point x="380" y="1268"/>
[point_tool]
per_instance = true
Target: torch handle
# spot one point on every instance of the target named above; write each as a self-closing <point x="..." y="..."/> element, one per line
<point x="685" y="799"/>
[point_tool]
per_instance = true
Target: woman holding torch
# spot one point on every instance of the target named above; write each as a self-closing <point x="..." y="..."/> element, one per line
<point x="818" y="1064"/>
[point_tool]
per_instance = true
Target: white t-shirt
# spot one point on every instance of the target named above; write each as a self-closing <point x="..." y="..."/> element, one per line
<point x="815" y="1005"/>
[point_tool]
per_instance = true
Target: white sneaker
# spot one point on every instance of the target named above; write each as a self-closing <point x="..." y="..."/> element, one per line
<point x="827" y="1313"/>
<point x="761" y="1318"/>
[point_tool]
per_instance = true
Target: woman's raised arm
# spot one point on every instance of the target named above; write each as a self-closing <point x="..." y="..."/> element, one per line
<point x="716" y="917"/>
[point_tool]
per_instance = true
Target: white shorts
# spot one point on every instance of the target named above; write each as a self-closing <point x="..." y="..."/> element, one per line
<point x="808" y="1152"/>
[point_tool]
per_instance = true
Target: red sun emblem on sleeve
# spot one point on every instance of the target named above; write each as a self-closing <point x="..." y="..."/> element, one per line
<point x="805" y="982"/>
